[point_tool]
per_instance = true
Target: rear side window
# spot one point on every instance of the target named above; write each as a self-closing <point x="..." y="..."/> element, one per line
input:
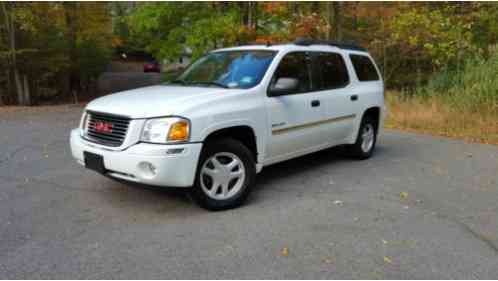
<point x="329" y="71"/>
<point x="294" y="65"/>
<point x="364" y="68"/>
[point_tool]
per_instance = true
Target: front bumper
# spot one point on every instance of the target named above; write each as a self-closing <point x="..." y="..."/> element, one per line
<point x="171" y="169"/>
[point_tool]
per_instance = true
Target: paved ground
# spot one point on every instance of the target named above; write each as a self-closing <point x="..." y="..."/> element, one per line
<point x="422" y="207"/>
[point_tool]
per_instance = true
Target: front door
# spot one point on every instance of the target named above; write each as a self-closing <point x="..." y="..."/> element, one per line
<point x="295" y="117"/>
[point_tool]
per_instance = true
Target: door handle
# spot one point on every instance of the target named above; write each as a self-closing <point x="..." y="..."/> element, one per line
<point x="354" y="97"/>
<point x="315" y="103"/>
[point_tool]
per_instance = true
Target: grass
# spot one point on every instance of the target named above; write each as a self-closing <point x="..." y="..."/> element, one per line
<point x="456" y="102"/>
<point x="434" y="115"/>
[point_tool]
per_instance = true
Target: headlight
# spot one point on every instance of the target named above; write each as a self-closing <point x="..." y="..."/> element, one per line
<point x="164" y="130"/>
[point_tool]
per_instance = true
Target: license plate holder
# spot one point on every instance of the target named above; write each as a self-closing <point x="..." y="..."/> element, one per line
<point x="94" y="162"/>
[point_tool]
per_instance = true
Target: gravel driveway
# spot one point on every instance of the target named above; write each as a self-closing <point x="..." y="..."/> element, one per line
<point x="422" y="207"/>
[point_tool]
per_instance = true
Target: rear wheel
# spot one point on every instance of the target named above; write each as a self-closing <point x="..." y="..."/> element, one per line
<point x="225" y="174"/>
<point x="364" y="146"/>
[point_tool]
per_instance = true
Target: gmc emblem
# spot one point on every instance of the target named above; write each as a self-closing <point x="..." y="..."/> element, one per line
<point x="103" y="127"/>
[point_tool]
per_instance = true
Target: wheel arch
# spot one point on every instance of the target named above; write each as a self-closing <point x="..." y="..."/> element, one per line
<point x="243" y="133"/>
<point x="373" y="111"/>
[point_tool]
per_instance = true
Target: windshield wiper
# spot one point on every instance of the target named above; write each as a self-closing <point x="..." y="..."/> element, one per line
<point x="212" y="83"/>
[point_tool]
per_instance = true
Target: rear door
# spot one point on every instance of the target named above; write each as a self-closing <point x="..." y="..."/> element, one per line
<point x="295" y="117"/>
<point x="331" y="79"/>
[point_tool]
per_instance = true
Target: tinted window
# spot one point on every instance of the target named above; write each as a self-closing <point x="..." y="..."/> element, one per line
<point x="329" y="71"/>
<point x="364" y="68"/>
<point x="294" y="65"/>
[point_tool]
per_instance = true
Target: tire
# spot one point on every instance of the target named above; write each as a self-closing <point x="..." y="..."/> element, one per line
<point x="366" y="140"/>
<point x="219" y="186"/>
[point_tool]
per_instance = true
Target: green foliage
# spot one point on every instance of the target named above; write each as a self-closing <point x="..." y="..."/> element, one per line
<point x="166" y="29"/>
<point x="473" y="88"/>
<point x="92" y="59"/>
<point x="211" y="32"/>
<point x="438" y="45"/>
<point x="47" y="53"/>
<point x="435" y="34"/>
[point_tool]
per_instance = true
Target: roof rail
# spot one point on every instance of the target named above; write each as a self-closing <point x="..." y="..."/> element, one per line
<point x="254" y="43"/>
<point x="340" y="45"/>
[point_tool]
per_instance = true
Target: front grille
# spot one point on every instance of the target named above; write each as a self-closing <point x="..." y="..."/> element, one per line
<point x="106" y="129"/>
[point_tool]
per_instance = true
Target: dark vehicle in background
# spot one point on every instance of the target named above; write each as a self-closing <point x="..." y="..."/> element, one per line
<point x="152" y="66"/>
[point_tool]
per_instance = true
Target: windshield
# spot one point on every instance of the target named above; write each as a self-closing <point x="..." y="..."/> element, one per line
<point x="228" y="69"/>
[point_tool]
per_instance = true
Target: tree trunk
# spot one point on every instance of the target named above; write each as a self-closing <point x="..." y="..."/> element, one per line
<point x="419" y="72"/>
<point x="27" y="96"/>
<point x="294" y="8"/>
<point x="75" y="97"/>
<point x="11" y="35"/>
<point x="315" y="7"/>
<point x="355" y="16"/>
<point x="384" y="56"/>
<point x="4" y="99"/>
<point x="255" y="16"/>
<point x="330" y="19"/>
<point x="249" y="15"/>
<point x="71" y="22"/>
<point x="338" y="20"/>
<point x="19" y="88"/>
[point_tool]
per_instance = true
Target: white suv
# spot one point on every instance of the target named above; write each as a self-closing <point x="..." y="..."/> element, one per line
<point x="231" y="113"/>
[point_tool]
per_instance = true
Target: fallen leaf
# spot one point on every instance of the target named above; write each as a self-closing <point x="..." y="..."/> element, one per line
<point x="403" y="195"/>
<point x="439" y="171"/>
<point x="285" y="251"/>
<point x="328" y="260"/>
<point x="388" y="260"/>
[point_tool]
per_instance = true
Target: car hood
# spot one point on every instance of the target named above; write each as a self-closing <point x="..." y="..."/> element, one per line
<point x="156" y="101"/>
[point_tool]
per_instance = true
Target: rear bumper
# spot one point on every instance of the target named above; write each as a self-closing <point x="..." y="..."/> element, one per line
<point x="175" y="165"/>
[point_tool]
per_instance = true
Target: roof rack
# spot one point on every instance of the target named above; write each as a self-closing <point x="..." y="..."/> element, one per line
<point x="340" y="45"/>
<point x="253" y="43"/>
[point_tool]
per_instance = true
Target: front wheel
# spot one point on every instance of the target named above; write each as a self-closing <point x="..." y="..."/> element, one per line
<point x="367" y="138"/>
<point x="225" y="174"/>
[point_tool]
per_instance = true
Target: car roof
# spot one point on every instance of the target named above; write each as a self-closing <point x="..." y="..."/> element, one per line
<point x="294" y="47"/>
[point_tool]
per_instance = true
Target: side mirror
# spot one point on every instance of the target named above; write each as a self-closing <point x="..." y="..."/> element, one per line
<point x="284" y="86"/>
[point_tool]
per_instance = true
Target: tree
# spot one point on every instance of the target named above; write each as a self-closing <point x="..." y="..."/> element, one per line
<point x="22" y="88"/>
<point x="45" y="43"/>
<point x="168" y="28"/>
<point x="335" y="19"/>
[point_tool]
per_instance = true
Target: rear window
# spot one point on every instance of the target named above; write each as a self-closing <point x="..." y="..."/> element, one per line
<point x="329" y="71"/>
<point x="364" y="68"/>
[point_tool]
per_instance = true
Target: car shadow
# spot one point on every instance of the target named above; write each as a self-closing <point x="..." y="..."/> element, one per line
<point x="176" y="199"/>
<point x="301" y="165"/>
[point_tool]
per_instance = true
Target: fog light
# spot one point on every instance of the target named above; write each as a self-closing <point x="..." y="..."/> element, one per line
<point x="148" y="170"/>
<point x="174" y="150"/>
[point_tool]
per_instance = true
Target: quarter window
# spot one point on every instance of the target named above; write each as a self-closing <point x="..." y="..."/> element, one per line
<point x="364" y="68"/>
<point x="294" y="65"/>
<point x="329" y="71"/>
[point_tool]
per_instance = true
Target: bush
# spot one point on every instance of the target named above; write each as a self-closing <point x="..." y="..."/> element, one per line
<point x="472" y="88"/>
